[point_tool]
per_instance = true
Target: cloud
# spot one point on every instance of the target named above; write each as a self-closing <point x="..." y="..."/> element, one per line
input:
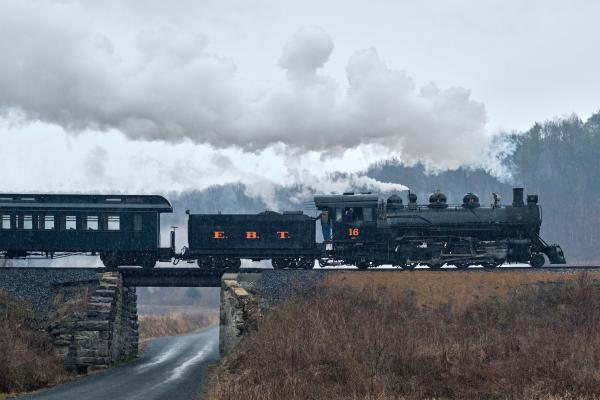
<point x="167" y="86"/>
<point x="308" y="51"/>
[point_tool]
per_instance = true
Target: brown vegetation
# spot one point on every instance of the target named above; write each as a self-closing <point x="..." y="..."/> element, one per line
<point x="26" y="360"/>
<point x="375" y="342"/>
<point x="152" y="326"/>
<point x="431" y="289"/>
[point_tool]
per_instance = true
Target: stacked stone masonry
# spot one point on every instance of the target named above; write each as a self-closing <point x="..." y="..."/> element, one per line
<point x="105" y="333"/>
<point x="239" y="310"/>
<point x="247" y="297"/>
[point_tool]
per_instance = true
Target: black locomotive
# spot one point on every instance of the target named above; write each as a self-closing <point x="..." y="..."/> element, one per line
<point x="357" y="229"/>
<point x="366" y="232"/>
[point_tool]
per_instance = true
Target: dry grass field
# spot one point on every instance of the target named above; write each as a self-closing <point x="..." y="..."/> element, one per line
<point x="420" y="335"/>
<point x="431" y="289"/>
<point x="176" y="323"/>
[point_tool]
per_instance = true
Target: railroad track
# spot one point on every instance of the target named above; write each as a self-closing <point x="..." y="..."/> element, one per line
<point x="182" y="271"/>
<point x="212" y="277"/>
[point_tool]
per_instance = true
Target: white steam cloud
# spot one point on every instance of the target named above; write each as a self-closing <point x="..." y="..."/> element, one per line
<point x="169" y="87"/>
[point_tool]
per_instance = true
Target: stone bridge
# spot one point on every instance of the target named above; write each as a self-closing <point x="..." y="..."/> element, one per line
<point x="92" y="313"/>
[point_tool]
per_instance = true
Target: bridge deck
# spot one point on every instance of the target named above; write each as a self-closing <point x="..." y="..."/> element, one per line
<point x="185" y="277"/>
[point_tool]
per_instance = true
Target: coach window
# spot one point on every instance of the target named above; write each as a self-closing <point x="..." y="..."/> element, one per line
<point x="49" y="222"/>
<point x="27" y="221"/>
<point x="114" y="223"/>
<point x="137" y="222"/>
<point x="92" y="223"/>
<point x="70" y="222"/>
<point x="6" y="222"/>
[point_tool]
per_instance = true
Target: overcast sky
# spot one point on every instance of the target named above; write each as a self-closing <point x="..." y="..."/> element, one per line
<point x="157" y="96"/>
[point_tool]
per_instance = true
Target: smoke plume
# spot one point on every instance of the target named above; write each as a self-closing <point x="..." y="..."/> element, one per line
<point x="168" y="86"/>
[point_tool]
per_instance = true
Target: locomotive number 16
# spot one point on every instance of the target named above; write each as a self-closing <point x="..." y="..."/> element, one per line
<point x="353" y="232"/>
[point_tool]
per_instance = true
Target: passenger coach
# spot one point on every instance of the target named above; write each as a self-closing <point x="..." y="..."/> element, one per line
<point x="121" y="229"/>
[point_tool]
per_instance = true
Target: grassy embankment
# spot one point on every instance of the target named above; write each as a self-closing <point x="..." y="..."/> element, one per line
<point x="176" y="311"/>
<point x="175" y="323"/>
<point x="425" y="335"/>
<point x="26" y="359"/>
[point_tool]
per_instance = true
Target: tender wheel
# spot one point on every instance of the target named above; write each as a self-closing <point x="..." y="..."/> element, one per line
<point x="462" y="265"/>
<point x="489" y="265"/>
<point x="278" y="263"/>
<point x="208" y="262"/>
<point x="435" y="266"/>
<point x="537" y="260"/>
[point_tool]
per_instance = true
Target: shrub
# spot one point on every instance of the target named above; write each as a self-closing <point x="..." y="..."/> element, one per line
<point x="26" y="359"/>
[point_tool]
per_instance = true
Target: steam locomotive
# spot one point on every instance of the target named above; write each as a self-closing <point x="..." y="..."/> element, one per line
<point x="357" y="229"/>
<point x="366" y="232"/>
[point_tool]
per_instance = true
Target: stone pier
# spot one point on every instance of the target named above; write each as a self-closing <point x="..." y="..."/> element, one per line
<point x="91" y="316"/>
<point x="239" y="309"/>
<point x="105" y="332"/>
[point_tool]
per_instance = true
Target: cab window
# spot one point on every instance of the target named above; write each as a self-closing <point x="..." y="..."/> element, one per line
<point x="338" y="214"/>
<point x="352" y="214"/>
<point x="368" y="214"/>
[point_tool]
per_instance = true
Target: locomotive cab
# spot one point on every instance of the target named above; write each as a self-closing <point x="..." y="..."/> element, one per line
<point x="348" y="217"/>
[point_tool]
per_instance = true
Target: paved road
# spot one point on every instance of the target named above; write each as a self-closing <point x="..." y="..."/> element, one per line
<point x="169" y="368"/>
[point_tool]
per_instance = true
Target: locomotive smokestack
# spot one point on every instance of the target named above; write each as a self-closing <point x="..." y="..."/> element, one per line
<point x="518" y="197"/>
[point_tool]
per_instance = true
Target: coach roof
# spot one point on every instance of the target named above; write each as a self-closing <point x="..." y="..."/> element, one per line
<point x="85" y="201"/>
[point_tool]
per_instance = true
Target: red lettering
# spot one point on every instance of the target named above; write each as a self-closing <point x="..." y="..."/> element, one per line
<point x="353" y="232"/>
<point x="251" y="235"/>
<point x="283" y="235"/>
<point x="218" y="235"/>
